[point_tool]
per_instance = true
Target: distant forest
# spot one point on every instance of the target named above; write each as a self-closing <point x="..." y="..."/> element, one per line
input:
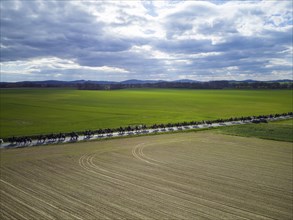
<point x="193" y="85"/>
<point x="92" y="85"/>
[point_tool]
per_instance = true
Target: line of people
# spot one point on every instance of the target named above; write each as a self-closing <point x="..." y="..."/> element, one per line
<point x="137" y="129"/>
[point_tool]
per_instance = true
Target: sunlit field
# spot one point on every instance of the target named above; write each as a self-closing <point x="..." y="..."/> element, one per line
<point x="278" y="130"/>
<point x="42" y="111"/>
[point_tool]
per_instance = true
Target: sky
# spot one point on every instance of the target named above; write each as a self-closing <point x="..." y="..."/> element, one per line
<point x="146" y="40"/>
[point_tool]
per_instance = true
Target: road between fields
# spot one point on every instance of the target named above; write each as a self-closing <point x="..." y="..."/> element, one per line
<point x="142" y="132"/>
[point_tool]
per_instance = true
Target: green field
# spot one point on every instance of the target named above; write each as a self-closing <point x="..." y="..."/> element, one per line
<point x="194" y="175"/>
<point x="35" y="111"/>
<point x="279" y="130"/>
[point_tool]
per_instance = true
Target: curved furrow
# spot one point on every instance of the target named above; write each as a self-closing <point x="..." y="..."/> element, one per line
<point x="123" y="192"/>
<point x="141" y="153"/>
<point x="94" y="169"/>
<point x="239" y="200"/>
<point x="83" y="162"/>
<point x="271" y="193"/>
<point x="137" y="154"/>
<point x="200" y="186"/>
<point x="198" y="189"/>
<point x="180" y="161"/>
<point x="223" y="208"/>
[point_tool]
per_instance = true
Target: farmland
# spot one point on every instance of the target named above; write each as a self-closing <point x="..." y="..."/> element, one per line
<point x="278" y="130"/>
<point x="202" y="175"/>
<point x="35" y="111"/>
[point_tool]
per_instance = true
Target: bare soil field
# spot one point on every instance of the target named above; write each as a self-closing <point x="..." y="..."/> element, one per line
<point x="200" y="175"/>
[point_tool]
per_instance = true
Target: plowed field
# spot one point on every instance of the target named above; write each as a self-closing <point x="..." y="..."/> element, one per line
<point x="176" y="176"/>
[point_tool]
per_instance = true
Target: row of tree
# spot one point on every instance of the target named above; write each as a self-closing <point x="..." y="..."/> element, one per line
<point x="188" y="85"/>
<point x="88" y="85"/>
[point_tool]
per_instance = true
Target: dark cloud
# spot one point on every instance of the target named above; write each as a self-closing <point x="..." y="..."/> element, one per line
<point x="220" y="27"/>
<point x="189" y="38"/>
<point x="31" y="31"/>
<point x="185" y="46"/>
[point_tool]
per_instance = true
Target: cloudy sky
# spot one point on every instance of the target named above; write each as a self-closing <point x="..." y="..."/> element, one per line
<point x="166" y="40"/>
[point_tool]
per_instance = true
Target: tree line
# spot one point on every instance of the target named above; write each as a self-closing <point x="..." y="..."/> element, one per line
<point x="91" y="85"/>
<point x="193" y="85"/>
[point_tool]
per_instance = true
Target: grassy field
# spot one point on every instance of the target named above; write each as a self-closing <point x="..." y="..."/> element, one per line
<point x="199" y="175"/>
<point x="279" y="130"/>
<point x="35" y="111"/>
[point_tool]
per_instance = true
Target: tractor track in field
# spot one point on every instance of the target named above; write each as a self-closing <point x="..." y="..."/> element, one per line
<point x="86" y="161"/>
<point x="137" y="152"/>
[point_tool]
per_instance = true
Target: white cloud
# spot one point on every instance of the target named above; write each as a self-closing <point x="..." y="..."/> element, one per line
<point x="232" y="68"/>
<point x="52" y="64"/>
<point x="279" y="62"/>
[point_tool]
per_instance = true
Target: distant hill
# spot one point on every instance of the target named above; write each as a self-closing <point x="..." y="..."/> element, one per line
<point x="136" y="81"/>
<point x="185" y="81"/>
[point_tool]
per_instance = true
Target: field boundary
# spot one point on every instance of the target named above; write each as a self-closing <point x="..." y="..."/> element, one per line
<point x="150" y="131"/>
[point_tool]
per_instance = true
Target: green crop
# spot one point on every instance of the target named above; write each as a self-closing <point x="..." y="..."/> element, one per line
<point x="42" y="111"/>
<point x="279" y="130"/>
